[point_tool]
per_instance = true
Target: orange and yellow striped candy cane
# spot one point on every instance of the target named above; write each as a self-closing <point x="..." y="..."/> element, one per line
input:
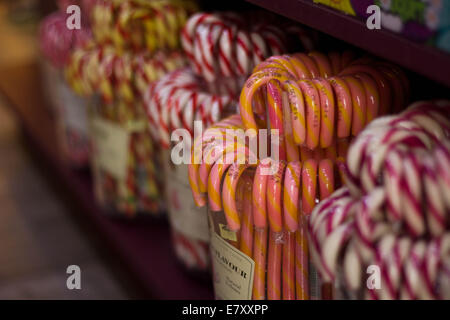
<point x="291" y="195"/>
<point x="344" y="107"/>
<point x="358" y="102"/>
<point x="246" y="243"/>
<point x="257" y="80"/>
<point x="312" y="102"/>
<point x="229" y="195"/>
<point x="260" y="258"/>
<point x="309" y="185"/>
<point x="327" y="107"/>
<point x="274" y="267"/>
<point x="274" y="186"/>
<point x="288" y="272"/>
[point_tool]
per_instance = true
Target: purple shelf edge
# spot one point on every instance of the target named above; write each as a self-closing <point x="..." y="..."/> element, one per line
<point x="423" y="59"/>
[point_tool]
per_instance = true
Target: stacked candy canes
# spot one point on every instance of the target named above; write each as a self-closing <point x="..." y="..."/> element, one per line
<point x="57" y="41"/>
<point x="329" y="96"/>
<point x="174" y="102"/>
<point x="133" y="47"/>
<point x="205" y="94"/>
<point x="227" y="45"/>
<point x="121" y="80"/>
<point x="261" y="203"/>
<point x="136" y="24"/>
<point x="113" y="75"/>
<point x="139" y="191"/>
<point x="394" y="210"/>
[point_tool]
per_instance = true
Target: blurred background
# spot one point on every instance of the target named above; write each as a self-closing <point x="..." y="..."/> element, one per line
<point x="63" y="203"/>
<point x="39" y="235"/>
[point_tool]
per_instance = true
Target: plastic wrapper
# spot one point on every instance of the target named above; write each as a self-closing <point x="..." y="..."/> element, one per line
<point x="125" y="161"/>
<point x="172" y="103"/>
<point x="262" y="262"/>
<point x="189" y="224"/>
<point x="385" y="234"/>
<point x="70" y="112"/>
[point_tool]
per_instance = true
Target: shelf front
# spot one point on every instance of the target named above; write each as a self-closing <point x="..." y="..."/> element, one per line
<point x="428" y="61"/>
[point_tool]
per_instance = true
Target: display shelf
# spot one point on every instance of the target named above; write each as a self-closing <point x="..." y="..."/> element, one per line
<point x="142" y="247"/>
<point x="425" y="60"/>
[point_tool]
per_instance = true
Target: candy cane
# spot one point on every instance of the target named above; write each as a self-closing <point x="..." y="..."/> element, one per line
<point x="407" y="192"/>
<point x="326" y="87"/>
<point x="239" y="41"/>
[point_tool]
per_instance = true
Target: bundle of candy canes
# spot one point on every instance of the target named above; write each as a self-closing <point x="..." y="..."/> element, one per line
<point x="179" y="99"/>
<point x="56" y="43"/>
<point x="120" y="77"/>
<point x="139" y="191"/>
<point x="113" y="75"/>
<point x="176" y="101"/>
<point x="329" y="96"/>
<point x="317" y="102"/>
<point x="140" y="24"/>
<point x="228" y="45"/>
<point x="121" y="80"/>
<point x="393" y="212"/>
<point x="263" y="208"/>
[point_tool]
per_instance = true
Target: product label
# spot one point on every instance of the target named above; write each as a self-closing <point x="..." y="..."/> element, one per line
<point x="226" y="233"/>
<point x="233" y="271"/>
<point x="342" y="5"/>
<point x="110" y="146"/>
<point x="185" y="216"/>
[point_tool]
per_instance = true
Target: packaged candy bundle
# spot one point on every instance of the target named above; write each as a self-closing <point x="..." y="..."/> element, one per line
<point x="135" y="44"/>
<point x="392" y="216"/>
<point x="259" y="205"/>
<point x="227" y="45"/>
<point x="256" y="218"/>
<point x="140" y="24"/>
<point x="125" y="160"/>
<point x="206" y="93"/>
<point x="175" y="102"/>
<point x="56" y="42"/>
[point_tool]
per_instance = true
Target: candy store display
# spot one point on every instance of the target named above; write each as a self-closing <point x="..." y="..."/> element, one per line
<point x="393" y="212"/>
<point x="326" y="97"/>
<point x="259" y="205"/>
<point x="175" y="102"/>
<point x="56" y="43"/>
<point x="251" y="225"/>
<point x="206" y="92"/>
<point x="229" y="45"/>
<point x="125" y="160"/>
<point x="290" y="165"/>
<point x="140" y="24"/>
<point x="134" y="45"/>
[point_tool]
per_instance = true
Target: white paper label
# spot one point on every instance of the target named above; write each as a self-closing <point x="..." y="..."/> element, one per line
<point x="110" y="143"/>
<point x="185" y="216"/>
<point x="233" y="271"/>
